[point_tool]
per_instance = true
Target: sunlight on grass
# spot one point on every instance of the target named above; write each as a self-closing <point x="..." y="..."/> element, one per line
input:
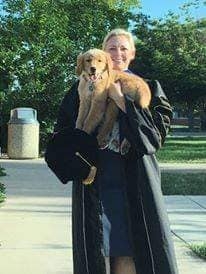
<point x="183" y="150"/>
<point x="199" y="249"/>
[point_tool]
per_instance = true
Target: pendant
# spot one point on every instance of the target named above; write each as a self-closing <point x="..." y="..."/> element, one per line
<point x="91" y="87"/>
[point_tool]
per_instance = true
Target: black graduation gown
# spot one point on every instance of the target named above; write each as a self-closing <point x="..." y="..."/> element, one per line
<point x="148" y="221"/>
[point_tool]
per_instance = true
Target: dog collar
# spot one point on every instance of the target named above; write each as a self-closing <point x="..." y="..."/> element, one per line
<point x="92" y="82"/>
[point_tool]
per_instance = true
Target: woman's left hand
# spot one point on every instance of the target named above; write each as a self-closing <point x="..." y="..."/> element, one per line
<point x="115" y="93"/>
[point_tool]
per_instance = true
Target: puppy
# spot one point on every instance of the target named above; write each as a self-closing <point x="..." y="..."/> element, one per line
<point x="97" y="78"/>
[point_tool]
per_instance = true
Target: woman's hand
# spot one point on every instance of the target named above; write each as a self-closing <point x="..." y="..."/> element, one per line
<point x="117" y="96"/>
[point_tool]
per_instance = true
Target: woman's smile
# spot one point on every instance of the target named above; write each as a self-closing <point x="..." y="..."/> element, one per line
<point x="120" y="51"/>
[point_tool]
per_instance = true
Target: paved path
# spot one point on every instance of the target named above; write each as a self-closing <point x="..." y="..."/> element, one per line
<point x="35" y="223"/>
<point x="181" y="167"/>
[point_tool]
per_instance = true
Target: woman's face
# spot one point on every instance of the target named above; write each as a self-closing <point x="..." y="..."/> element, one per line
<point x="120" y="51"/>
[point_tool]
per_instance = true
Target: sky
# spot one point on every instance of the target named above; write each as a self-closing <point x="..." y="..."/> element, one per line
<point x="160" y="8"/>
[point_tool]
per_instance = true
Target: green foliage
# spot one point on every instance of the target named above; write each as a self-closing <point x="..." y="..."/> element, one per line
<point x="46" y="132"/>
<point x="173" y="52"/>
<point x="2" y="171"/>
<point x="40" y="41"/>
<point x="179" y="183"/>
<point x="39" y="44"/>
<point x="199" y="249"/>
<point x="2" y="194"/>
<point x="122" y="4"/>
<point x="2" y="187"/>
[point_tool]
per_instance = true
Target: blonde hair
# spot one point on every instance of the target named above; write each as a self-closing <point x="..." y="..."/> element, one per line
<point x="118" y="32"/>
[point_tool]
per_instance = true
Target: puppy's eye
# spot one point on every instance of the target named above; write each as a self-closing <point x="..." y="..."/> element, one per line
<point x="88" y="60"/>
<point x="99" y="60"/>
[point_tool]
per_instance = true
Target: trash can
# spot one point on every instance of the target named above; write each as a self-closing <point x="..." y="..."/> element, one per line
<point x="23" y="134"/>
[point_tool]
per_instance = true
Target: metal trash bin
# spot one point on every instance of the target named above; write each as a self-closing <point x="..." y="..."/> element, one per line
<point x="23" y="134"/>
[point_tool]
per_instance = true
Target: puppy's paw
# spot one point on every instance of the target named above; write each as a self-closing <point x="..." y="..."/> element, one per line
<point x="90" y="178"/>
<point x="79" y="125"/>
<point x="86" y="130"/>
<point x="144" y="95"/>
<point x="87" y="127"/>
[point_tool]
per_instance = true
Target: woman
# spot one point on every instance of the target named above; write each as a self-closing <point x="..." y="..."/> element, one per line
<point x="120" y="224"/>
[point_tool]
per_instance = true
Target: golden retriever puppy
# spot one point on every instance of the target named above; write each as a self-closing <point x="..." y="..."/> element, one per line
<point x="97" y="77"/>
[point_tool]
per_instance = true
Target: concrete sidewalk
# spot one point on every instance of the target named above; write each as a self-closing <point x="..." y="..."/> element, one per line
<point x="183" y="167"/>
<point x="35" y="222"/>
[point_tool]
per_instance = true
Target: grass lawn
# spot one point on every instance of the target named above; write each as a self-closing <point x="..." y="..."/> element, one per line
<point x="199" y="249"/>
<point x="2" y="172"/>
<point x="2" y="193"/>
<point x="2" y="187"/>
<point x="177" y="183"/>
<point x="183" y="150"/>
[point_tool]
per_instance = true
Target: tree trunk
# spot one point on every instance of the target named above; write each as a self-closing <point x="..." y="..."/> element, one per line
<point x="191" y="116"/>
<point x="203" y="119"/>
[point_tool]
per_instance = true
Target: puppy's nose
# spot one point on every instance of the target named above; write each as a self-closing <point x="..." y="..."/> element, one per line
<point x="93" y="69"/>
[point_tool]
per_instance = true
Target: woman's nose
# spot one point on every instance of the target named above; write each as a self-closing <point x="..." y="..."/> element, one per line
<point x="117" y="52"/>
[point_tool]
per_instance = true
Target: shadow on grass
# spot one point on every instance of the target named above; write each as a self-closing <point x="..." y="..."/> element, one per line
<point x="183" y="184"/>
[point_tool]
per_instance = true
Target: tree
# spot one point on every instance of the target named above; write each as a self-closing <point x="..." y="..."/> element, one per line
<point x="175" y="53"/>
<point x="39" y="43"/>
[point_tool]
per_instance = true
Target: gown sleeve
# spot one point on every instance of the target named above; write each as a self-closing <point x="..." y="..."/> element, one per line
<point x="147" y="128"/>
<point x="68" y="109"/>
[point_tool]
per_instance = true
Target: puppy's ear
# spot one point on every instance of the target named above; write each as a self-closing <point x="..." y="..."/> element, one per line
<point x="109" y="63"/>
<point x="80" y="64"/>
